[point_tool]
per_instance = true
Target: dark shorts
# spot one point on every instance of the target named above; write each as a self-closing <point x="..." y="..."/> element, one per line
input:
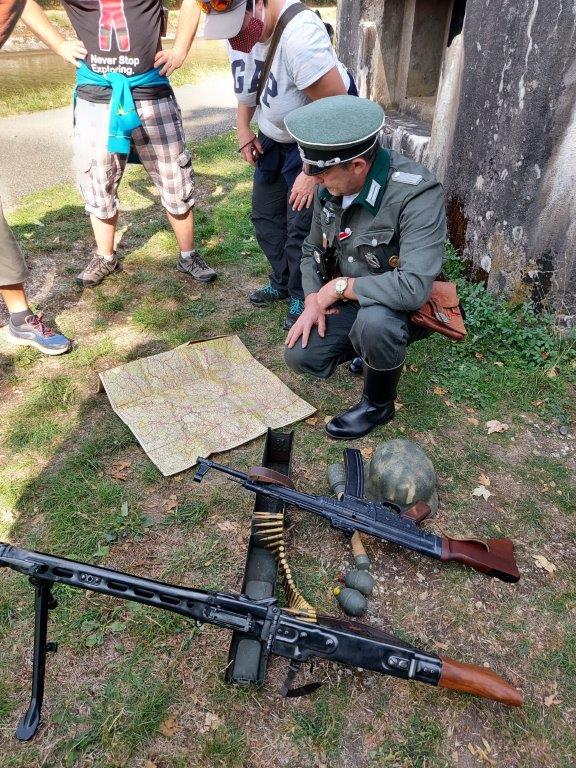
<point x="13" y="269"/>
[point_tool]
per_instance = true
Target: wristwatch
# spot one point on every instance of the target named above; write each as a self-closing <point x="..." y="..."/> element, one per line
<point x="340" y="286"/>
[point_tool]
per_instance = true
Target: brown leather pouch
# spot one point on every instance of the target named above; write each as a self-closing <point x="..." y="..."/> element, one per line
<point x="441" y="312"/>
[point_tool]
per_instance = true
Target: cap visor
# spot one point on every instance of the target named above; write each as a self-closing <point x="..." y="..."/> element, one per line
<point x="312" y="170"/>
<point x="223" y="26"/>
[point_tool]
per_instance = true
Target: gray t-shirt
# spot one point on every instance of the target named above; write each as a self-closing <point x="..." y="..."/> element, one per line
<point x="303" y="56"/>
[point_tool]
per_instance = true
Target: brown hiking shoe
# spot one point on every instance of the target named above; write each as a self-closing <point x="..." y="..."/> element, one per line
<point x="197" y="268"/>
<point x="97" y="269"/>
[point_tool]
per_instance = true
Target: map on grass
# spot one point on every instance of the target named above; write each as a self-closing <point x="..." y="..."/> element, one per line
<point x="202" y="397"/>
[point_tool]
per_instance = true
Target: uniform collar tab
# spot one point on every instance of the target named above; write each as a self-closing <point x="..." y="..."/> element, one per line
<point x="372" y="192"/>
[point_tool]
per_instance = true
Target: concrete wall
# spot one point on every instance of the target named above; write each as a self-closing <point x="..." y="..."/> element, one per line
<point x="511" y="172"/>
<point x="503" y="133"/>
<point x="428" y="43"/>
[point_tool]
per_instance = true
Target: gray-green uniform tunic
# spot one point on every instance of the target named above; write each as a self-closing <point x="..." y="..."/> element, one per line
<point x="391" y="239"/>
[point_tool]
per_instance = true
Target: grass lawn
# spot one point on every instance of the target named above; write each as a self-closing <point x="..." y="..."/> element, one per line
<point x="133" y="687"/>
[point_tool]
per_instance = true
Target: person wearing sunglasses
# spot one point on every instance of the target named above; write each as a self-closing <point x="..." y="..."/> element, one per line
<point x="304" y="67"/>
<point x="124" y="108"/>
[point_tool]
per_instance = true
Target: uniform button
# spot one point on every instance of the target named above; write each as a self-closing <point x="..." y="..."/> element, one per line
<point x="348" y="231"/>
<point x="374" y="242"/>
<point x="393" y="261"/>
<point x="350" y="258"/>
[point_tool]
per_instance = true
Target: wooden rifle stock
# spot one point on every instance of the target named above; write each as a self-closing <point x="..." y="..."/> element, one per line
<point x="384" y="520"/>
<point x="478" y="681"/>
<point x="494" y="557"/>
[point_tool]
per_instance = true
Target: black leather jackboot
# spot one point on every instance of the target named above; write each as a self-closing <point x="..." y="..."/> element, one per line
<point x="376" y="406"/>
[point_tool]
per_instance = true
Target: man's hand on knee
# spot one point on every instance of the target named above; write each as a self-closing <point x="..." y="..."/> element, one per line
<point x="312" y="315"/>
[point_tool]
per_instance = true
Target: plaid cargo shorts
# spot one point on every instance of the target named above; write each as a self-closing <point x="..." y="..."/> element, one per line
<point x="161" y="147"/>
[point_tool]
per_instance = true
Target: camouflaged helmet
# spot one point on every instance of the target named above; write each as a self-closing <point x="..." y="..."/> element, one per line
<point x="400" y="471"/>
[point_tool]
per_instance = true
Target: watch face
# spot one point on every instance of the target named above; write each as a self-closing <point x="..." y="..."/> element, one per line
<point x="341" y="286"/>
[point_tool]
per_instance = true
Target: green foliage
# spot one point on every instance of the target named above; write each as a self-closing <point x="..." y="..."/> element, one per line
<point x="7" y="611"/>
<point x="125" y="714"/>
<point x="322" y="729"/>
<point x="79" y="507"/>
<point x="420" y="742"/>
<point x="226" y="747"/>
<point x="95" y="631"/>
<point x="87" y="354"/>
<point x="111" y="303"/>
<point x="510" y="351"/>
<point x="6" y="701"/>
<point x="188" y="513"/>
<point x="33" y="426"/>
<point x="127" y="523"/>
<point x="503" y="331"/>
<point x="562" y="657"/>
<point x="556" y="481"/>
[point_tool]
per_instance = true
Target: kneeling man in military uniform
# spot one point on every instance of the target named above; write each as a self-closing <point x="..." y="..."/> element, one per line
<point x="375" y="247"/>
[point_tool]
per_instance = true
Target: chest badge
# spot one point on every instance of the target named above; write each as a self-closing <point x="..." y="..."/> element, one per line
<point x="393" y="261"/>
<point x="372" y="260"/>
<point x="328" y="215"/>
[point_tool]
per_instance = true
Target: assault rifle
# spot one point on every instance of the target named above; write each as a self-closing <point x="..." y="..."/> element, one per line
<point x="386" y="520"/>
<point x="279" y="632"/>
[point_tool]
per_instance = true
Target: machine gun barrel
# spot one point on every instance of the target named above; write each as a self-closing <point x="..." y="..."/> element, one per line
<point x="381" y="520"/>
<point x="345" y="642"/>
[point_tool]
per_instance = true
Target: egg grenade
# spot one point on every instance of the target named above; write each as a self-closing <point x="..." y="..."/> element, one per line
<point x="401" y="471"/>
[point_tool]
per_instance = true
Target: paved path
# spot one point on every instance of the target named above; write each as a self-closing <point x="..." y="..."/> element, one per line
<point x="36" y="149"/>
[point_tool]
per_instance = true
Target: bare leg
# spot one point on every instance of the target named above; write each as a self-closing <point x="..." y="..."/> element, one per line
<point x="190" y="261"/>
<point x="104" y="263"/>
<point x="183" y="226"/>
<point x="14" y="297"/>
<point x="104" y="231"/>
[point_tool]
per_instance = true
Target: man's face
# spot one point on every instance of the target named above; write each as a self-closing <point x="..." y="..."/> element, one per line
<point x="342" y="179"/>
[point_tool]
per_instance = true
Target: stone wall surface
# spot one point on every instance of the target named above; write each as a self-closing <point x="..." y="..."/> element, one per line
<point x="511" y="173"/>
<point x="503" y="135"/>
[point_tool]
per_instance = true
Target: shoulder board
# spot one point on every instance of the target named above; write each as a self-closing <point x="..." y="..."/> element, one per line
<point x="406" y="178"/>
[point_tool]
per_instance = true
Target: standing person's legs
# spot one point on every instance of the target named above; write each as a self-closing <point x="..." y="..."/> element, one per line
<point x="162" y="149"/>
<point x="269" y="219"/>
<point x="24" y="326"/>
<point x="183" y="228"/>
<point x="104" y="233"/>
<point x="98" y="174"/>
<point x="298" y="229"/>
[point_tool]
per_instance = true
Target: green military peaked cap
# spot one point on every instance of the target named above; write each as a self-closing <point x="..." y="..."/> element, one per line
<point x="334" y="130"/>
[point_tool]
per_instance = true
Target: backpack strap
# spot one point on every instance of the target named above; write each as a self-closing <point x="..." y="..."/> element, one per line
<point x="281" y="25"/>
